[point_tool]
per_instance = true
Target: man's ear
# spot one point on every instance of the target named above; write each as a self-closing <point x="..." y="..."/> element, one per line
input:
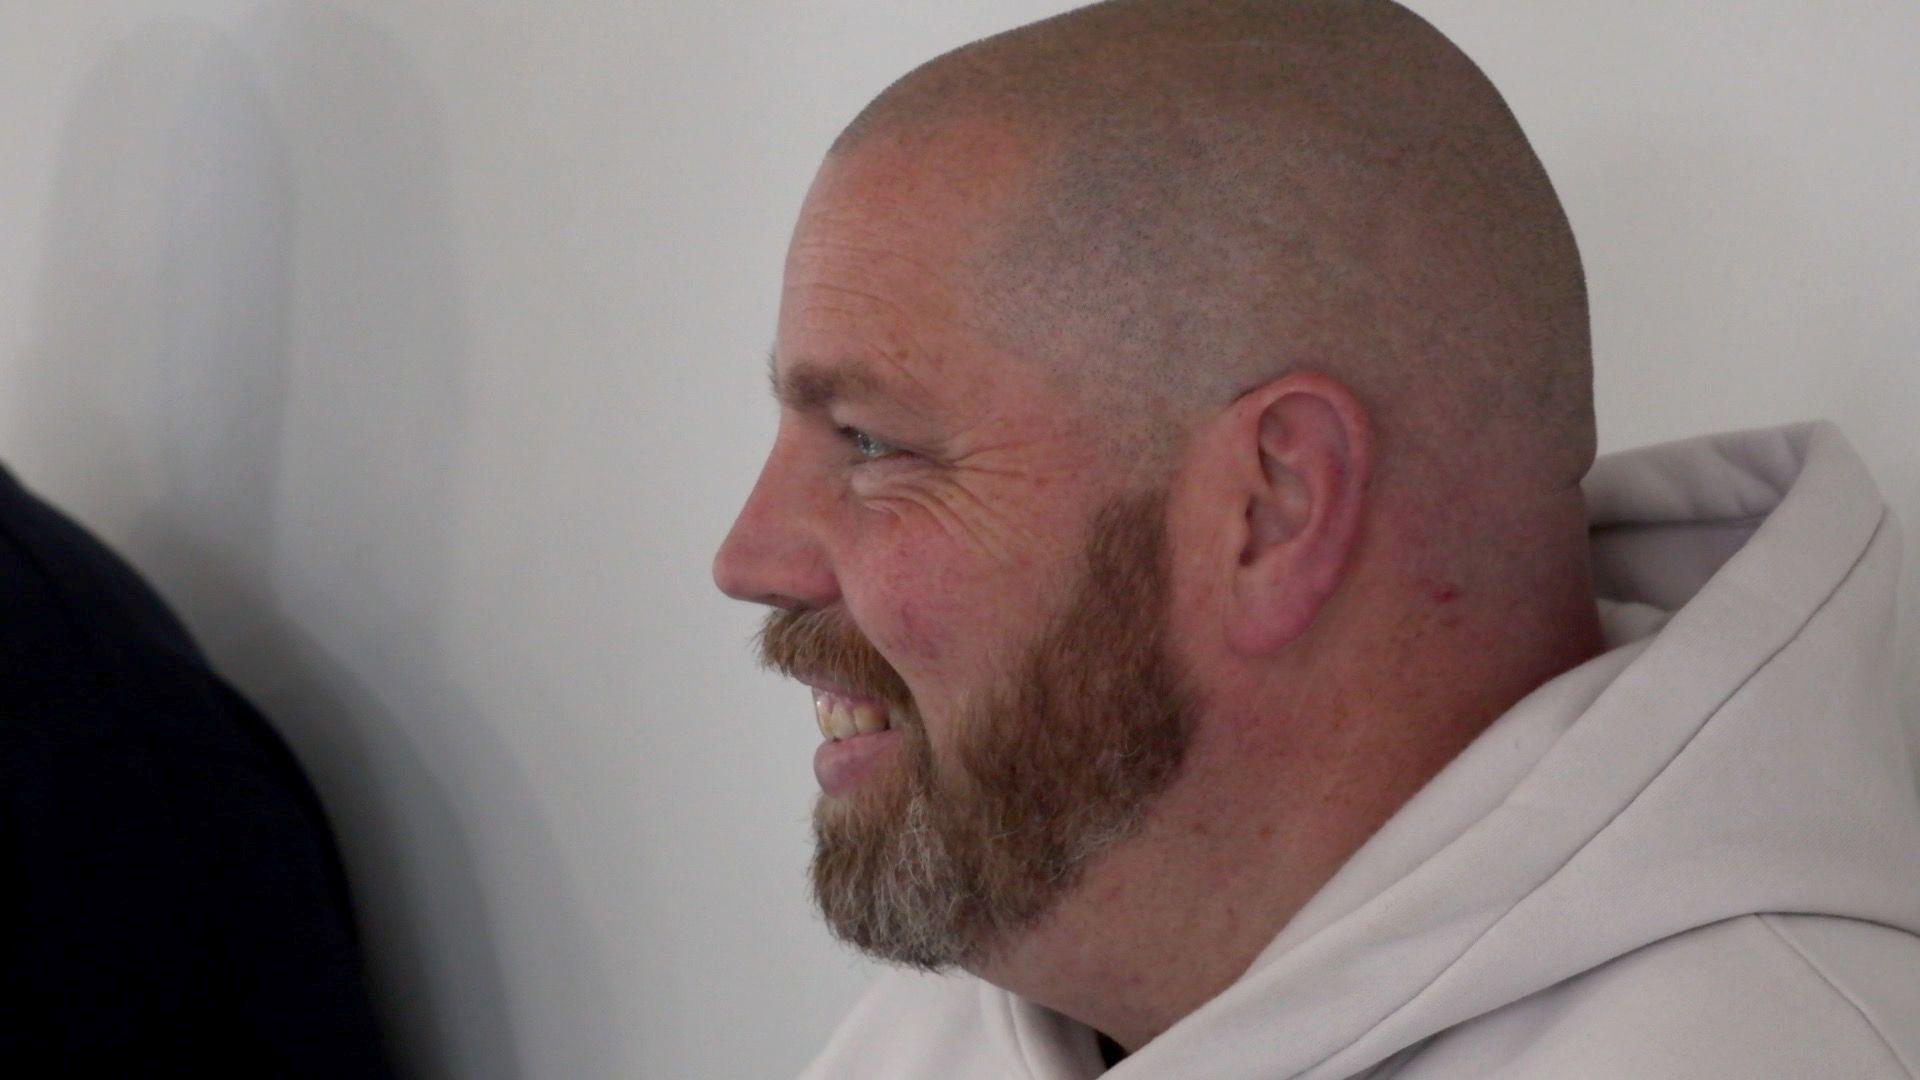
<point x="1300" y="451"/>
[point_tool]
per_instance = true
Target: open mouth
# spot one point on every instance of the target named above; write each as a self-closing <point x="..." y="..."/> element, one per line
<point x="859" y="735"/>
<point x="842" y="717"/>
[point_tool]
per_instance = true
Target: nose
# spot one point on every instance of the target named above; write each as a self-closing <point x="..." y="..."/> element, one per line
<point x="772" y="555"/>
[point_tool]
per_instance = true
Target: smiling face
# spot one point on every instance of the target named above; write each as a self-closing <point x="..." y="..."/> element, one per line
<point x="936" y="860"/>
<point x="943" y="534"/>
<point x="933" y="490"/>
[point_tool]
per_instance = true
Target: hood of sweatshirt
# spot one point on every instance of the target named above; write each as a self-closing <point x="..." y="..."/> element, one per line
<point x="1738" y="749"/>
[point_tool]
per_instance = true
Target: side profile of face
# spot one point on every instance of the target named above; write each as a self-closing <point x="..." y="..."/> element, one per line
<point x="1178" y="464"/>
<point x="944" y="546"/>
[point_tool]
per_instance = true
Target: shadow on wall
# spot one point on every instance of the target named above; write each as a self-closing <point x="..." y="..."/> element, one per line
<point x="248" y="353"/>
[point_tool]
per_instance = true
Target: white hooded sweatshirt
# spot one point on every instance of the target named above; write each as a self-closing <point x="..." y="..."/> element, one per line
<point x="1694" y="856"/>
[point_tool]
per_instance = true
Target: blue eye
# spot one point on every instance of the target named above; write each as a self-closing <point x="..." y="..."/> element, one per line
<point x="868" y="447"/>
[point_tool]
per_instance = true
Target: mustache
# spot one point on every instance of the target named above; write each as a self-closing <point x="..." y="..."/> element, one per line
<point x="825" y="646"/>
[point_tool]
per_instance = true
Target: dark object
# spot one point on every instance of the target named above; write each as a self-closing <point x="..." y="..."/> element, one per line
<point x="171" y="902"/>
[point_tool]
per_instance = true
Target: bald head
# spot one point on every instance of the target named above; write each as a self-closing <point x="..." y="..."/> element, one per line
<point x="1220" y="192"/>
<point x="1274" y="300"/>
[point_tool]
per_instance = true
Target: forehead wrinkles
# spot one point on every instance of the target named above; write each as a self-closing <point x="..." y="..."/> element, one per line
<point x="880" y="262"/>
<point x="865" y="279"/>
<point x="943" y="202"/>
<point x="878" y="267"/>
<point x="859" y="304"/>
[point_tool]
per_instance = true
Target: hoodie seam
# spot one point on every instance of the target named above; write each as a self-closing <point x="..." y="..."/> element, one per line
<point x="1688" y="523"/>
<point x="1879" y="527"/>
<point x="1771" y="923"/>
<point x="1019" y="1039"/>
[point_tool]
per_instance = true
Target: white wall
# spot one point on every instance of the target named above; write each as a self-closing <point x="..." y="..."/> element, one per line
<point x="414" y="350"/>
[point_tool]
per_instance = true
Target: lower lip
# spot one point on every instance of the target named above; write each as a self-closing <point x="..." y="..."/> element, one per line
<point x="843" y="764"/>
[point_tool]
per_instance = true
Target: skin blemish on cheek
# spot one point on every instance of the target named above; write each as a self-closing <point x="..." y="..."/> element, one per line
<point x="1443" y="594"/>
<point x="930" y="590"/>
<point x="916" y="635"/>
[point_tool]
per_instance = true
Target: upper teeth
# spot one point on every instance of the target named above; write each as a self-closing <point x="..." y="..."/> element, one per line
<point x="842" y="719"/>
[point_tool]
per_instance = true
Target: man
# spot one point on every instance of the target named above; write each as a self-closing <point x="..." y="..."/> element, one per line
<point x="1232" y="661"/>
<point x="173" y="904"/>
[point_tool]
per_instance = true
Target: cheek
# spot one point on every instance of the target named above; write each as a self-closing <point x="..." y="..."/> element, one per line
<point x="945" y="611"/>
<point x="920" y="635"/>
<point x="921" y="605"/>
<point x="917" y="603"/>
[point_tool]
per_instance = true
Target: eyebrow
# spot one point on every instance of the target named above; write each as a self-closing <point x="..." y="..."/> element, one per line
<point x="809" y="385"/>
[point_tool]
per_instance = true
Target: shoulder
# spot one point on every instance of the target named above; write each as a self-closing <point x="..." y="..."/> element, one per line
<point x="1757" y="996"/>
<point x="130" y="772"/>
<point x="67" y="591"/>
<point x="106" y="697"/>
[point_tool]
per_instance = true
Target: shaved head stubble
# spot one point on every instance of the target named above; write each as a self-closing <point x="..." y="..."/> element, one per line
<point x="938" y="861"/>
<point x="1221" y="192"/>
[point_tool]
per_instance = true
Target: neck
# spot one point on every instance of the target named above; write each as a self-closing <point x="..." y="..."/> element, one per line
<point x="1276" y="794"/>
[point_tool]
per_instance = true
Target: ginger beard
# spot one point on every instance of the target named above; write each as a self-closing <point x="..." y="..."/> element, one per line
<point x="938" y="863"/>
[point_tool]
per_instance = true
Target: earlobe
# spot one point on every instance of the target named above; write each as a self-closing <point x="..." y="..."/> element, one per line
<point x="1308" y="454"/>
